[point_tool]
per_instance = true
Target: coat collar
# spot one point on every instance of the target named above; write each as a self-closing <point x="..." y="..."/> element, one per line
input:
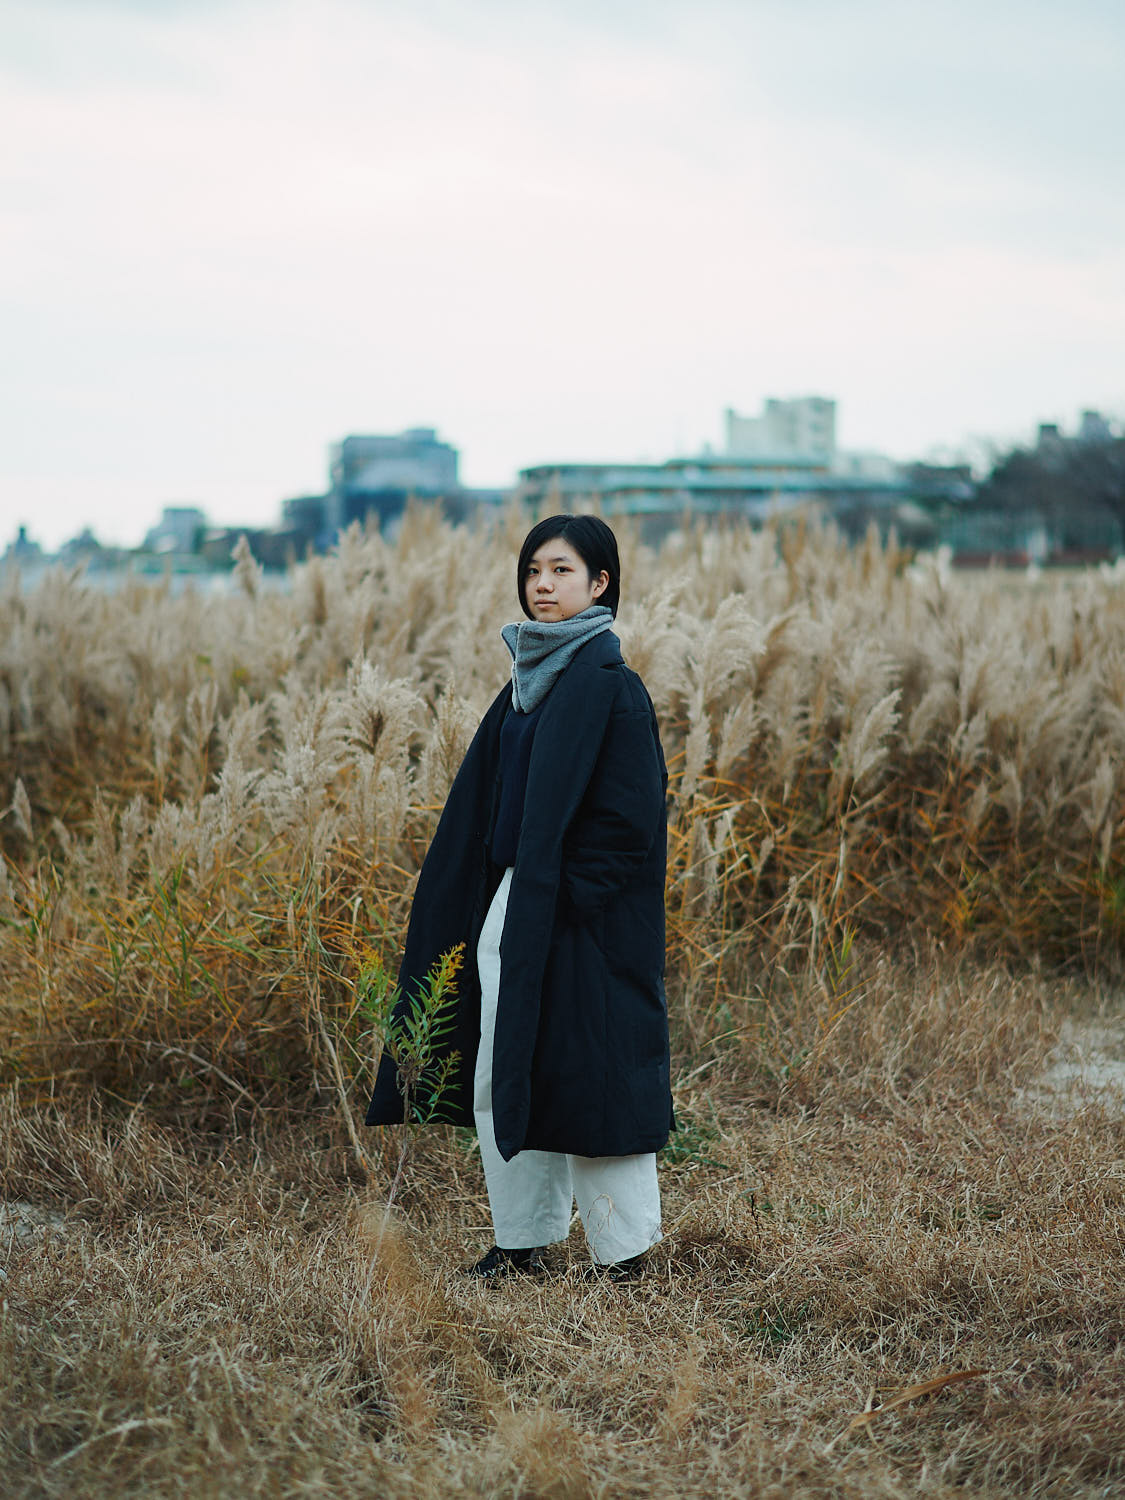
<point x="602" y="651"/>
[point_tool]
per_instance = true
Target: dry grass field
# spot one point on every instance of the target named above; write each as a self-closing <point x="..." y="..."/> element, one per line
<point x="894" y="1257"/>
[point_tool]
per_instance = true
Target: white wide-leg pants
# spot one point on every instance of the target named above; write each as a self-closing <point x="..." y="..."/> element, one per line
<point x="531" y="1196"/>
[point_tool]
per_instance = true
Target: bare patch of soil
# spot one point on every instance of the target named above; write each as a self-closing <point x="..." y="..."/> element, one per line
<point x="1086" y="1065"/>
<point x="23" y="1221"/>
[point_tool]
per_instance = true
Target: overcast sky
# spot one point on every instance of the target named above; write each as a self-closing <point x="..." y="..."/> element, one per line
<point x="233" y="231"/>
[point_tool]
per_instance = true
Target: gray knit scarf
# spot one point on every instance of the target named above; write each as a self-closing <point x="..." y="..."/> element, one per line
<point x="541" y="650"/>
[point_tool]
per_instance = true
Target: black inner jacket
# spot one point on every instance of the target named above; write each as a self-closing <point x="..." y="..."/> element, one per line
<point x="580" y="1061"/>
<point x="517" y="735"/>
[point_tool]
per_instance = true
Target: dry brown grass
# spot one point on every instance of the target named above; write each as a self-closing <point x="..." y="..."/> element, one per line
<point x="234" y="1313"/>
<point x="896" y="871"/>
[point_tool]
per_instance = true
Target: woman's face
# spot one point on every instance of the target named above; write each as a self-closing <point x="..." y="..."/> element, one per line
<point x="558" y="583"/>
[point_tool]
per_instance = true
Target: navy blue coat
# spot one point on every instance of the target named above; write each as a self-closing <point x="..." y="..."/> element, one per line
<point x="580" y="1062"/>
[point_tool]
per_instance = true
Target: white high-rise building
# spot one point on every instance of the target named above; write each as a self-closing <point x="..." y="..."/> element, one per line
<point x="801" y="428"/>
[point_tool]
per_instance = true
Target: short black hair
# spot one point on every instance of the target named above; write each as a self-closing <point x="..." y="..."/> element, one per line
<point x="590" y="537"/>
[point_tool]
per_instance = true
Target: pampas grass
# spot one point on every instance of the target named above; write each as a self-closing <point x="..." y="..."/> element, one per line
<point x="895" y="870"/>
<point x="861" y="751"/>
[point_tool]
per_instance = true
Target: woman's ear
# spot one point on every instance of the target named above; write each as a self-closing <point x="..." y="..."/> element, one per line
<point x="601" y="583"/>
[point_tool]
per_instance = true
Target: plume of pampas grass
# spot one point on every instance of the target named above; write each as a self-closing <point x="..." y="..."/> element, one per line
<point x="956" y="738"/>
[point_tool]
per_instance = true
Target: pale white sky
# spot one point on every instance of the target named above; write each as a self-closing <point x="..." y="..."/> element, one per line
<point x="232" y="233"/>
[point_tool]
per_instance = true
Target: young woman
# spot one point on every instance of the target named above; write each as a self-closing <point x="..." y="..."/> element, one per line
<point x="548" y="865"/>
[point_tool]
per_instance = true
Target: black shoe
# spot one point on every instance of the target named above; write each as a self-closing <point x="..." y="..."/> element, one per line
<point x="500" y="1263"/>
<point x="617" y="1270"/>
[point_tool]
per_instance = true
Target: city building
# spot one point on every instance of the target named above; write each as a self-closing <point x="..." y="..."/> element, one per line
<point x="180" y="529"/>
<point x="1093" y="428"/>
<point x="85" y="551"/>
<point x="801" y="428"/>
<point x="784" y="459"/>
<point x="377" y="475"/>
<point x="659" y="495"/>
<point x="305" y="519"/>
<point x="1058" y="501"/>
<point x="22" y="549"/>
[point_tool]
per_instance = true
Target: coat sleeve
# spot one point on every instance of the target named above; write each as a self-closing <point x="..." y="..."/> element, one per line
<point x="622" y="813"/>
<point x="448" y="900"/>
